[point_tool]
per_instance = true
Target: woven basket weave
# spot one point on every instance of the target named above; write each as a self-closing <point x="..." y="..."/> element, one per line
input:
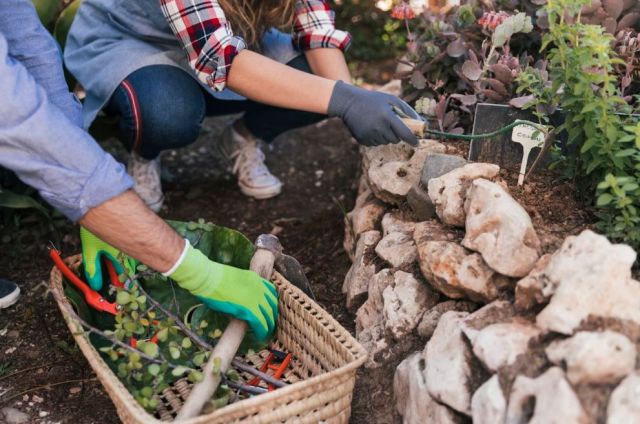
<point x="322" y="374"/>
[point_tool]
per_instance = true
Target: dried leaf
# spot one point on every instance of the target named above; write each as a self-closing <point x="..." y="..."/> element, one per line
<point x="591" y="9"/>
<point x="466" y="99"/>
<point x="450" y="120"/>
<point x="502" y="73"/>
<point x="441" y="108"/>
<point x="629" y="20"/>
<point x="456" y="48"/>
<point x="492" y="95"/>
<point x="418" y="80"/>
<point x="497" y="86"/>
<point x="610" y="25"/>
<point x="613" y="8"/>
<point x="471" y="70"/>
<point x="520" y="102"/>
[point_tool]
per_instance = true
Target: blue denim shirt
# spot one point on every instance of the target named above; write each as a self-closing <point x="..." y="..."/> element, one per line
<point x="41" y="139"/>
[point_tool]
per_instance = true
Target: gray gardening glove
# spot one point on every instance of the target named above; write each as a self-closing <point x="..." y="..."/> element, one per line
<point x="370" y="116"/>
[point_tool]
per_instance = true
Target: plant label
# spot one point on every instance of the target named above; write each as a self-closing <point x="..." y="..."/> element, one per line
<point x="529" y="138"/>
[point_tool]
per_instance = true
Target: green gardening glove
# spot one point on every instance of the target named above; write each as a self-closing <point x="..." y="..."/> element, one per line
<point x="93" y="250"/>
<point x="237" y="292"/>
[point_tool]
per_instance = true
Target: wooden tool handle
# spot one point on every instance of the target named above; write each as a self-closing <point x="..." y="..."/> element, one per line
<point x="415" y="125"/>
<point x="226" y="348"/>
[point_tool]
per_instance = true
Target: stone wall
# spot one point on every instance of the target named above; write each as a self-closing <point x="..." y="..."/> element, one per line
<point x="444" y="255"/>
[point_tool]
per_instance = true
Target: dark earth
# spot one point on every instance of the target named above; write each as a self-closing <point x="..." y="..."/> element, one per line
<point x="43" y="374"/>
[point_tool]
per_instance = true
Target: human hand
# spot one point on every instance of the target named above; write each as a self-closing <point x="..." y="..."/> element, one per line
<point x="237" y="292"/>
<point x="370" y="115"/>
<point x="93" y="250"/>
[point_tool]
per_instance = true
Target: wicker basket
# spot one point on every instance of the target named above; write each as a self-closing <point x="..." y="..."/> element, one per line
<point x="322" y="373"/>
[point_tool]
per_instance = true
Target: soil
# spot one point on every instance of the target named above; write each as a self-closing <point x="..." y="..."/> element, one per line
<point x="43" y="374"/>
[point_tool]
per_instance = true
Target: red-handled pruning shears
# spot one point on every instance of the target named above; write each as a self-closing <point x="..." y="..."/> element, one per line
<point x="92" y="297"/>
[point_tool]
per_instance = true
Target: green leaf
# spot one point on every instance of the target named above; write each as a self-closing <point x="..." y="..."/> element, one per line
<point x="154" y="369"/>
<point x="150" y="349"/>
<point x="174" y="352"/>
<point x="186" y="343"/>
<point x="604" y="199"/>
<point x="11" y="200"/>
<point x="123" y="297"/>
<point x="178" y="371"/>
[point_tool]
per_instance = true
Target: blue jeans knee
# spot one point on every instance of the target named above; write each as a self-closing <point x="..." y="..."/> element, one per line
<point x="160" y="107"/>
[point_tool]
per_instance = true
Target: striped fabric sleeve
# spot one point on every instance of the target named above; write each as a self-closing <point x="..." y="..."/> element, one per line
<point x="314" y="27"/>
<point x="204" y="32"/>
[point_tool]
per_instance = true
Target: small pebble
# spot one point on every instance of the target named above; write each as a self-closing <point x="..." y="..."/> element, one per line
<point x="43" y="414"/>
<point x="37" y="399"/>
<point x="10" y="350"/>
<point x="75" y="390"/>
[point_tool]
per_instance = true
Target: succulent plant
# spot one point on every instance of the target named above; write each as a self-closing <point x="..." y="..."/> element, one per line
<point x="613" y="15"/>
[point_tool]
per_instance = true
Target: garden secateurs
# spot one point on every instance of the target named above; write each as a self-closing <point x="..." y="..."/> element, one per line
<point x="94" y="299"/>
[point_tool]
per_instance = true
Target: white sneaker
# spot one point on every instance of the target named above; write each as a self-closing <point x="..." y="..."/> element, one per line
<point x="254" y="178"/>
<point x="146" y="175"/>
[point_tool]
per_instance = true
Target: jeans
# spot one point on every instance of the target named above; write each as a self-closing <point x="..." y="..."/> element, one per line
<point x="162" y="107"/>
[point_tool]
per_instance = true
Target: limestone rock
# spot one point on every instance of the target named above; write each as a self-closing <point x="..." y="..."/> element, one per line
<point x="457" y="272"/>
<point x="397" y="222"/>
<point x="413" y="401"/>
<point x="433" y="230"/>
<point x="405" y="301"/>
<point x="500" y="230"/>
<point x="393" y="169"/>
<point x="397" y="249"/>
<point x="493" y="313"/>
<point x="488" y="405"/>
<point x="594" y="357"/>
<point x="449" y="364"/>
<point x="365" y="216"/>
<point x="592" y="277"/>
<point x="534" y="289"/>
<point x="371" y="328"/>
<point x="435" y="165"/>
<point x="14" y="416"/>
<point x="555" y="400"/>
<point x="420" y="203"/>
<point x="624" y="407"/>
<point x="449" y="191"/>
<point x="356" y="282"/>
<point x="499" y="345"/>
<point x="430" y="319"/>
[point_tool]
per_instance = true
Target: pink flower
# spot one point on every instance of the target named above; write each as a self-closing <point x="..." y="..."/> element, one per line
<point x="490" y="20"/>
<point x="402" y="11"/>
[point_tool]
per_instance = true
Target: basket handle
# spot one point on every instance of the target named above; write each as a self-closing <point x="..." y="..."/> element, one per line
<point x="267" y="248"/>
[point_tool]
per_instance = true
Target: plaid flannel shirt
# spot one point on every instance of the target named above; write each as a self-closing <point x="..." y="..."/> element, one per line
<point x="211" y="46"/>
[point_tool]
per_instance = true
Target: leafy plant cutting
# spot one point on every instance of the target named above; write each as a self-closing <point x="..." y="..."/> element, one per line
<point x="152" y="332"/>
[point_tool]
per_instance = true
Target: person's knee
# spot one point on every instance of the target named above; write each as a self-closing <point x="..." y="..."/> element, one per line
<point x="163" y="109"/>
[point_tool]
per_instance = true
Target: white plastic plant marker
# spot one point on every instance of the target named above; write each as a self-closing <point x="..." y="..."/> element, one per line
<point x="529" y="137"/>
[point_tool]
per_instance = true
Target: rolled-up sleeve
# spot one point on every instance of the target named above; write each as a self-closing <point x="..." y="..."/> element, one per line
<point x="314" y="27"/>
<point x="32" y="46"/>
<point x="48" y="151"/>
<point x="205" y="34"/>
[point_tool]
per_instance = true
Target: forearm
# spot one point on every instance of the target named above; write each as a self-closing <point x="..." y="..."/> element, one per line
<point x="147" y="237"/>
<point x="267" y="81"/>
<point x="329" y="63"/>
<point x="49" y="152"/>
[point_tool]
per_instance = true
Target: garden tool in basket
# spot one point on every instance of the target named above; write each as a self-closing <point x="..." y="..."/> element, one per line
<point x="93" y="298"/>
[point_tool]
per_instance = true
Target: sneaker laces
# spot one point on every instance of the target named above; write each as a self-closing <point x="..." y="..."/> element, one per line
<point x="249" y="162"/>
<point x="146" y="172"/>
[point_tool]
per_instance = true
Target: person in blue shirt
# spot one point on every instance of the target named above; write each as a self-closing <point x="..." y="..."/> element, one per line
<point x="42" y="141"/>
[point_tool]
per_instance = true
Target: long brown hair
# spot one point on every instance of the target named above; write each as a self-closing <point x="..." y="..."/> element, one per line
<point x="251" y="18"/>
